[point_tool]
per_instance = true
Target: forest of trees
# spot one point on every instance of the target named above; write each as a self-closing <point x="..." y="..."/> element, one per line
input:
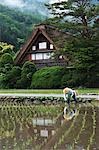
<point x="16" y="26"/>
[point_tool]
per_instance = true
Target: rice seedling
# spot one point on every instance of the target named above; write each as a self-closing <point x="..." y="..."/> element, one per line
<point x="94" y="126"/>
<point x="25" y="125"/>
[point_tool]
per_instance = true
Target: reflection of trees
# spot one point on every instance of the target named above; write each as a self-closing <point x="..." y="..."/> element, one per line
<point x="16" y="126"/>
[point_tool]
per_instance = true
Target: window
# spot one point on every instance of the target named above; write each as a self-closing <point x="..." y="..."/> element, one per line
<point x="47" y="55"/>
<point x="43" y="45"/>
<point x="60" y="56"/>
<point x="39" y="56"/>
<point x="33" y="56"/>
<point x="44" y="133"/>
<point x="51" y="46"/>
<point x="33" y="48"/>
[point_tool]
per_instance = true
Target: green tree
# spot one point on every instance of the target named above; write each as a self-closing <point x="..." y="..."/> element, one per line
<point x="79" y="17"/>
<point x="6" y="48"/>
<point x="75" y="16"/>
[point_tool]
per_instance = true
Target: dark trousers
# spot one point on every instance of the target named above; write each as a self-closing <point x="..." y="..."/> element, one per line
<point x="74" y="97"/>
<point x="69" y="97"/>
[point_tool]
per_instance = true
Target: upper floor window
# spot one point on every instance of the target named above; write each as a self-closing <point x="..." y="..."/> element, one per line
<point x="33" y="48"/>
<point x="51" y="46"/>
<point x="43" y="45"/>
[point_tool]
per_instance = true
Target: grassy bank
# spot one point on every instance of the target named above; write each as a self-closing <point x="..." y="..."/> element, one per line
<point x="49" y="91"/>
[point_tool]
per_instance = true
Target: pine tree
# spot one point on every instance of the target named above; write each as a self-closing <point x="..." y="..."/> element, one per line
<point x="75" y="15"/>
<point x="81" y="19"/>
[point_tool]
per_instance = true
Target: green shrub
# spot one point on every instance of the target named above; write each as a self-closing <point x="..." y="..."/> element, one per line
<point x="28" y="70"/>
<point x="6" y="59"/>
<point x="66" y="78"/>
<point x="71" y="78"/>
<point x="9" y="79"/>
<point x="48" y="77"/>
<point x="6" y="63"/>
<point x="13" y="76"/>
<point x="28" y="67"/>
<point x="3" y="83"/>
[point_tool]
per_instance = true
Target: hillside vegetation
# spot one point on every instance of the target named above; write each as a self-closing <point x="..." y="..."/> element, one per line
<point x="16" y="26"/>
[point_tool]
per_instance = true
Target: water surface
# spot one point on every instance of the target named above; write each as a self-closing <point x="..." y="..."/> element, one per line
<point x="39" y="127"/>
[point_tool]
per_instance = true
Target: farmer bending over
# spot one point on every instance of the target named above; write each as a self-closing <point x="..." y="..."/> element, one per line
<point x="69" y="94"/>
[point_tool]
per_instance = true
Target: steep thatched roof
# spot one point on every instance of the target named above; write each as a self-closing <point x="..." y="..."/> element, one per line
<point x="59" y="37"/>
<point x="51" y="33"/>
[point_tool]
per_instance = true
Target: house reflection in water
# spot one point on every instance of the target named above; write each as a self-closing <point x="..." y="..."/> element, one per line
<point x="45" y="127"/>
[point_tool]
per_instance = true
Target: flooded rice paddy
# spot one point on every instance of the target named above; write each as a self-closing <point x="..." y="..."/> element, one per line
<point x="43" y="127"/>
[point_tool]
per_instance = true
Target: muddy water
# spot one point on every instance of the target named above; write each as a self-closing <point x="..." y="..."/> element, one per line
<point x="43" y="127"/>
